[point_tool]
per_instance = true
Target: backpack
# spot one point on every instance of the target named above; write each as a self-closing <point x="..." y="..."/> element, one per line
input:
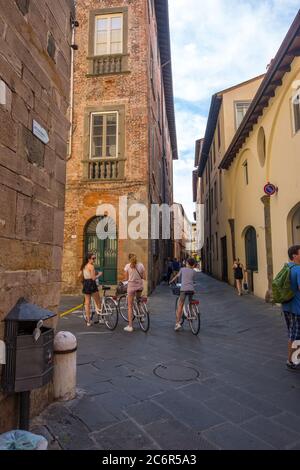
<point x="281" y="286"/>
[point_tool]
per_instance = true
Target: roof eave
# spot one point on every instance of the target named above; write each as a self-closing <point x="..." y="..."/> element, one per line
<point x="273" y="79"/>
<point x="213" y="116"/>
<point x="163" y="31"/>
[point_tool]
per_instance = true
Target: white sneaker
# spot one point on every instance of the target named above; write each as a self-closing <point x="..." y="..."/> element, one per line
<point x="177" y="327"/>
<point x="129" y="329"/>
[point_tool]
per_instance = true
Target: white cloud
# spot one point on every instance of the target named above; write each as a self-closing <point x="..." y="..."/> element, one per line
<point x="217" y="44"/>
<point x="189" y="125"/>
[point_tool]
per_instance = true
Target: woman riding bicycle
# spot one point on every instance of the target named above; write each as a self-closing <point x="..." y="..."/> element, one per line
<point x="135" y="274"/>
<point x="187" y="288"/>
<point x="90" y="289"/>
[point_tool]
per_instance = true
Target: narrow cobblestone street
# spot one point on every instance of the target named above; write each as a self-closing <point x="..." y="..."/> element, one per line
<point x="226" y="389"/>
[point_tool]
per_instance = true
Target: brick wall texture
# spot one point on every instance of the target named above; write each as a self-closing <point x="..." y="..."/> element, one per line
<point x="35" y="60"/>
<point x="143" y="135"/>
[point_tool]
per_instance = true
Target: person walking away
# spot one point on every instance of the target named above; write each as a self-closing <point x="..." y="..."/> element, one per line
<point x="291" y="309"/>
<point x="169" y="269"/>
<point x="187" y="275"/>
<point x="90" y="289"/>
<point x="238" y="270"/>
<point x="175" y="267"/>
<point x="135" y="275"/>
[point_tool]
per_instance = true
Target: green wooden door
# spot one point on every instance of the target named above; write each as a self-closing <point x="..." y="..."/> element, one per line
<point x="106" y="252"/>
<point x="251" y="249"/>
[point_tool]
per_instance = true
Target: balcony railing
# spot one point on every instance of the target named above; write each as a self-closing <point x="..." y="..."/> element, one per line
<point x="104" y="169"/>
<point x="108" y="64"/>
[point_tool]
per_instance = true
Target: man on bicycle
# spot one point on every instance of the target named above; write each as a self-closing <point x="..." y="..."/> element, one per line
<point x="187" y="275"/>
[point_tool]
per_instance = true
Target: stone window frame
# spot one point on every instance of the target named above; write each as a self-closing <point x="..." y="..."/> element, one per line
<point x="103" y="113"/>
<point x="91" y="39"/>
<point x="236" y="104"/>
<point x="219" y="134"/>
<point x="246" y="172"/>
<point x="216" y="194"/>
<point x="296" y="109"/>
<point x="120" y="109"/>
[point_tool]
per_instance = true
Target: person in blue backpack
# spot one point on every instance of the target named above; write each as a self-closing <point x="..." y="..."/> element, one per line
<point x="292" y="309"/>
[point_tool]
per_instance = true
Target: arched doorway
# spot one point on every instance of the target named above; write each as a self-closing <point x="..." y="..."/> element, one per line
<point x="105" y="250"/>
<point x="296" y="227"/>
<point x="251" y="255"/>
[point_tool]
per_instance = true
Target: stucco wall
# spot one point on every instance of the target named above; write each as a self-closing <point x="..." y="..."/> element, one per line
<point x="280" y="168"/>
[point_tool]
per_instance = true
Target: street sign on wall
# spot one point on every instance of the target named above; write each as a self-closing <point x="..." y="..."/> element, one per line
<point x="270" y="189"/>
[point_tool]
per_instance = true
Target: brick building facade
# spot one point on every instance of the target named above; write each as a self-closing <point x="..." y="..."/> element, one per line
<point x="35" y="59"/>
<point x="124" y="137"/>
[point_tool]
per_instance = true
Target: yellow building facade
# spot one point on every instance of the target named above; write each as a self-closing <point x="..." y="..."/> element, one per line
<point x="250" y="180"/>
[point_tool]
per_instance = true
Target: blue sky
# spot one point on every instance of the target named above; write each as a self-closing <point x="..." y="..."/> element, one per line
<point x="217" y="44"/>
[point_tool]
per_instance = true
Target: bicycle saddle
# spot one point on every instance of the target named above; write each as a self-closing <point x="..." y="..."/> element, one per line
<point x="105" y="288"/>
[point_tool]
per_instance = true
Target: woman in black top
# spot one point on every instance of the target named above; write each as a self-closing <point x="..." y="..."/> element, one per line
<point x="238" y="269"/>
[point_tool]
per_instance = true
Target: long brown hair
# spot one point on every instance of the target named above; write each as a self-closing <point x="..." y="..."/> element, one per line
<point x="133" y="260"/>
<point x="86" y="260"/>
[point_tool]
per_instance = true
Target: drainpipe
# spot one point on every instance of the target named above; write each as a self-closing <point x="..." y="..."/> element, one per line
<point x="73" y="48"/>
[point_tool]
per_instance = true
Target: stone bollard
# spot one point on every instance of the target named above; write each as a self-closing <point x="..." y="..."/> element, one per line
<point x="65" y="347"/>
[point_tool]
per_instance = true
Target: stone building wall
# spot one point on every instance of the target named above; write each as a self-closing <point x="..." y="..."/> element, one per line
<point x="35" y="60"/>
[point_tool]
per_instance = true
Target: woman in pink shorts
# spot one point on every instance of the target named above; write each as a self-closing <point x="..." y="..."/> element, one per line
<point x="135" y="274"/>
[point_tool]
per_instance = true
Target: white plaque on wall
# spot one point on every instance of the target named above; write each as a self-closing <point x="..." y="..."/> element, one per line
<point x="40" y="132"/>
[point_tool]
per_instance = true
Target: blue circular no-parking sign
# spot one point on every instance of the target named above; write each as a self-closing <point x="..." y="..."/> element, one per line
<point x="270" y="189"/>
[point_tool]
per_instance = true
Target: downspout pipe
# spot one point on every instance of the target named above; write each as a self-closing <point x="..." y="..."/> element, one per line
<point x="73" y="48"/>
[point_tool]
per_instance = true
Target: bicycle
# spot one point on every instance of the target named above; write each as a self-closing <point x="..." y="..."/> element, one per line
<point x="108" y="313"/>
<point x="191" y="311"/>
<point x="140" y="311"/>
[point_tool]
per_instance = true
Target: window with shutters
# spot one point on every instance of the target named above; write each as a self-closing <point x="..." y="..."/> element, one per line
<point x="108" y="41"/>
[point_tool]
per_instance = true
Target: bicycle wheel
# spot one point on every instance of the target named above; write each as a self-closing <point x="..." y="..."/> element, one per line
<point x="92" y="310"/>
<point x="194" y="318"/>
<point x="111" y="315"/>
<point x="123" y="307"/>
<point x="143" y="317"/>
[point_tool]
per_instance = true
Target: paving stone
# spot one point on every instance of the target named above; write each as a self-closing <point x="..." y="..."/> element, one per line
<point x="43" y="431"/>
<point x="295" y="446"/>
<point x="287" y="401"/>
<point x="189" y="411"/>
<point x="70" y="433"/>
<point x="276" y="435"/>
<point x="267" y="387"/>
<point x="147" y="413"/>
<point x="91" y="412"/>
<point x="289" y="421"/>
<point x="244" y="398"/>
<point x="241" y="375"/>
<point x="172" y="434"/>
<point x="231" y="437"/>
<point x="198" y="391"/>
<point x="87" y="374"/>
<point x="99" y="388"/>
<point x="141" y="389"/>
<point x="124" y="436"/>
<point x="114" y="402"/>
<point x="230" y="409"/>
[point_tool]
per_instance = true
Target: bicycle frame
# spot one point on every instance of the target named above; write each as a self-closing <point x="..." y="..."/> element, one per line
<point x="136" y="304"/>
<point x="103" y="309"/>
